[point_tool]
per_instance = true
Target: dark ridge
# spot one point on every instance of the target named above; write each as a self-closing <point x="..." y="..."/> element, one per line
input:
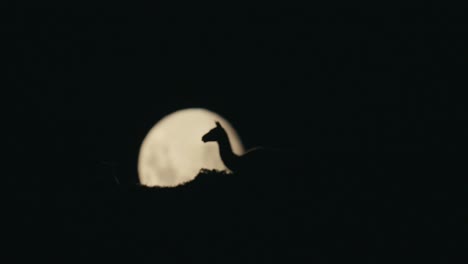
<point x="340" y="207"/>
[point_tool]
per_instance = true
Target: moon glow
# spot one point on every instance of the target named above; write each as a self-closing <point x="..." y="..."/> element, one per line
<point x="173" y="153"/>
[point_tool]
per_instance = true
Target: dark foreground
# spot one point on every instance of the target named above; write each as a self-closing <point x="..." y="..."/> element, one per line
<point x="370" y="212"/>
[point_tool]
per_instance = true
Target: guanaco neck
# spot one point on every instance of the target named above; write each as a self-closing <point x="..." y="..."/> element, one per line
<point x="229" y="158"/>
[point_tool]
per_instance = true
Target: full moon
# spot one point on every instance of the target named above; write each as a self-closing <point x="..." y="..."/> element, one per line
<point x="173" y="153"/>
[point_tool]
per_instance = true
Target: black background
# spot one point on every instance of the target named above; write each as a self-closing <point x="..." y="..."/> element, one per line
<point x="367" y="87"/>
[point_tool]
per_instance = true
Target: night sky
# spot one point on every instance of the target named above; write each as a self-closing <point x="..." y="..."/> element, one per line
<point x="365" y="87"/>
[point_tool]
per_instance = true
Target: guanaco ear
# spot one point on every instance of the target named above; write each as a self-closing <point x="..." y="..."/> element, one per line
<point x="218" y="124"/>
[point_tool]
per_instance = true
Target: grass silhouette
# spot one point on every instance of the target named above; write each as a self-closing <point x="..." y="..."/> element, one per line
<point x="332" y="211"/>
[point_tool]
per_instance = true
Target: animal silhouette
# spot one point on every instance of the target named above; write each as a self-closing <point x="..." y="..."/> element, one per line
<point x="254" y="160"/>
<point x="263" y="174"/>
